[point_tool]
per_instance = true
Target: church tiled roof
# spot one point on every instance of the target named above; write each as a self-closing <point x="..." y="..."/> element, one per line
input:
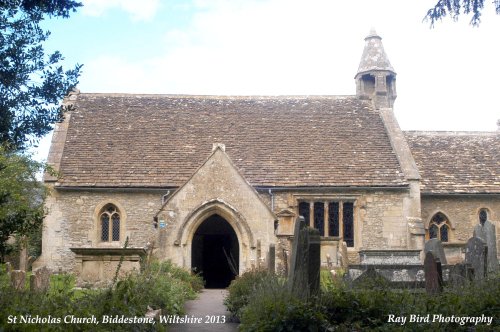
<point x="457" y="162"/>
<point x="160" y="140"/>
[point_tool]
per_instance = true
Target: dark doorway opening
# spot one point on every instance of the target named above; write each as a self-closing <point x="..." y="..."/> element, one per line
<point x="215" y="252"/>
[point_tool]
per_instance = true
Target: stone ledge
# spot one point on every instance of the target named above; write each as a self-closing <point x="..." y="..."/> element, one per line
<point x="390" y="256"/>
<point x="109" y="251"/>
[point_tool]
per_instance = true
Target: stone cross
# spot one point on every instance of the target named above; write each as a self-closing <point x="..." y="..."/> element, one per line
<point x="17" y="279"/>
<point x="476" y="255"/>
<point x="436" y="247"/>
<point x="433" y="274"/>
<point x="487" y="233"/>
<point x="305" y="263"/>
<point x="40" y="280"/>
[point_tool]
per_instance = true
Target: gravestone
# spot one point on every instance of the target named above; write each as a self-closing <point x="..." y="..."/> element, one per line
<point x="297" y="253"/>
<point x="285" y="262"/>
<point x="487" y="233"/>
<point x="8" y="267"/>
<point x="436" y="247"/>
<point x="271" y="264"/>
<point x="17" y="279"/>
<point x="259" y="254"/>
<point x="433" y="274"/>
<point x="23" y="256"/>
<point x="342" y="258"/>
<point x="460" y="274"/>
<point x="476" y="255"/>
<point x="40" y="280"/>
<point x="370" y="278"/>
<point x="305" y="263"/>
<point x="314" y="260"/>
<point x="329" y="263"/>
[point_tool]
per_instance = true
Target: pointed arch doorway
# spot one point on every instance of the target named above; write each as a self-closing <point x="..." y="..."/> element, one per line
<point x="215" y="252"/>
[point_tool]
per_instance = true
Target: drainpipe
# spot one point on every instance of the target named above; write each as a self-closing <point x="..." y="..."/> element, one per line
<point x="272" y="200"/>
<point x="164" y="200"/>
<point x="272" y="210"/>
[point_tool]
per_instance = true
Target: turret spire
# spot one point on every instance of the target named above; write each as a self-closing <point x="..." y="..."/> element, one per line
<point x="376" y="78"/>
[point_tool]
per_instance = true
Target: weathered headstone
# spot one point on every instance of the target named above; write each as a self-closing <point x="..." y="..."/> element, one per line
<point x="460" y="274"/>
<point x="342" y="256"/>
<point x="487" y="233"/>
<point x="17" y="279"/>
<point x="40" y="280"/>
<point x="305" y="263"/>
<point x="436" y="247"/>
<point x="329" y="262"/>
<point x="433" y="274"/>
<point x="370" y="278"/>
<point x="259" y="254"/>
<point x="23" y="256"/>
<point x="271" y="264"/>
<point x="476" y="255"/>
<point x="314" y="260"/>
<point x="295" y="262"/>
<point x="285" y="262"/>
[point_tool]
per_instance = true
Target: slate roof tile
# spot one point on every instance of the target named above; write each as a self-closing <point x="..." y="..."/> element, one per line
<point x="160" y="140"/>
<point x="457" y="162"/>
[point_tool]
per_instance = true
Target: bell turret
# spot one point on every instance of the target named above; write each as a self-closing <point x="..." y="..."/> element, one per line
<point x="376" y="79"/>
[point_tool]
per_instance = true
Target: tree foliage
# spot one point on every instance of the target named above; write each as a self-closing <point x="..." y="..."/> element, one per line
<point x="456" y="8"/>
<point x="32" y="84"/>
<point x="21" y="197"/>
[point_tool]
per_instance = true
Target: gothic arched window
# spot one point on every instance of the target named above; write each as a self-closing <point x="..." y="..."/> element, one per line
<point x="439" y="228"/>
<point x="110" y="223"/>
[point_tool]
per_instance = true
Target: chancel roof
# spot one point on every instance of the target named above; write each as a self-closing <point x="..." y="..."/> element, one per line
<point x="457" y="162"/>
<point x="291" y="141"/>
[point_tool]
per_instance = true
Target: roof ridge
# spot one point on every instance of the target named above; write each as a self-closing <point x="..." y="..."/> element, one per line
<point x="209" y="96"/>
<point x="450" y="132"/>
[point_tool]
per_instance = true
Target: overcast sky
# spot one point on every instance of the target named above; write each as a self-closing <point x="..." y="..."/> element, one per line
<point x="447" y="77"/>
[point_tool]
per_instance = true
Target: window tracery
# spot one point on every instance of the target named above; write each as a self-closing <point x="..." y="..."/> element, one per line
<point x="439" y="228"/>
<point x="110" y="223"/>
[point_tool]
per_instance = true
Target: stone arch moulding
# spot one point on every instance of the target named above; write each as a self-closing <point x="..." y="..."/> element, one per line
<point x="216" y="206"/>
<point x="96" y="222"/>
<point x="431" y="215"/>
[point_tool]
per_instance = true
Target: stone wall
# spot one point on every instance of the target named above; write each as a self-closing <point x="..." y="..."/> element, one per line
<point x="463" y="213"/>
<point x="379" y="216"/>
<point x="72" y="221"/>
<point x="217" y="187"/>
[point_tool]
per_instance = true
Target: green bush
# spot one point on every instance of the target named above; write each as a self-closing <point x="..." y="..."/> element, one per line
<point x="264" y="303"/>
<point x="161" y="285"/>
<point x="369" y="308"/>
<point x="272" y="307"/>
<point x="241" y="288"/>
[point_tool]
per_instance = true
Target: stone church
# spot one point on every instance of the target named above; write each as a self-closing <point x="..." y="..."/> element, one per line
<point x="213" y="182"/>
